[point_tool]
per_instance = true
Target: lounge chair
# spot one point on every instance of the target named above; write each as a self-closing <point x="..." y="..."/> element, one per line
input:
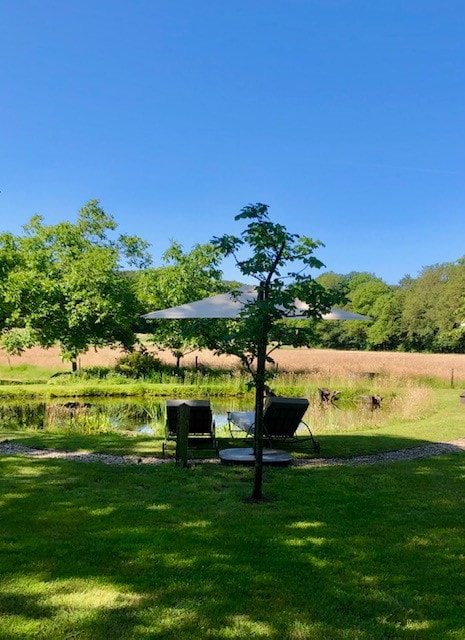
<point x="281" y="419"/>
<point x="201" y="424"/>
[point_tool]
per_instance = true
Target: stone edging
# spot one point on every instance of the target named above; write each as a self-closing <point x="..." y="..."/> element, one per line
<point x="8" y="447"/>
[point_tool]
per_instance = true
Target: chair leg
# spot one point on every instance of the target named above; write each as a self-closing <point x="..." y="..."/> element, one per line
<point x="315" y="443"/>
<point x="230" y="430"/>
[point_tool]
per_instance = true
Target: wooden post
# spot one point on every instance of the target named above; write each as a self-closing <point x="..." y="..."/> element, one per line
<point x="182" y="435"/>
<point x="452" y="378"/>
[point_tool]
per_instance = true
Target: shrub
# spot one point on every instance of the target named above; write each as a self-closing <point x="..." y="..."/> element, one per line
<point x="97" y="371"/>
<point x="138" y="364"/>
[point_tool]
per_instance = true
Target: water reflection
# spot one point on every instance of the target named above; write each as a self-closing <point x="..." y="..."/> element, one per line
<point x="102" y="415"/>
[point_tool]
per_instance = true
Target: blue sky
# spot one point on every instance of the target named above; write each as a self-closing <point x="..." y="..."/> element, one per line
<point x="347" y="117"/>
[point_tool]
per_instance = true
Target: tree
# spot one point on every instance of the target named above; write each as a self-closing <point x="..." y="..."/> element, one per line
<point x="68" y="285"/>
<point x="9" y="258"/>
<point x="279" y="263"/>
<point x="434" y="308"/>
<point x="185" y="277"/>
<point x="15" y="341"/>
<point x="385" y="332"/>
<point x="362" y="290"/>
<point x="364" y="296"/>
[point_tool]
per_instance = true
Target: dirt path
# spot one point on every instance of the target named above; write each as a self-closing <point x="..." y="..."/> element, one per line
<point x="8" y="448"/>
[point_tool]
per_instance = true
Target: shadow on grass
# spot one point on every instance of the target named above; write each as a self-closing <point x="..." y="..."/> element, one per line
<point x="335" y="445"/>
<point x="362" y="553"/>
<point x="332" y="446"/>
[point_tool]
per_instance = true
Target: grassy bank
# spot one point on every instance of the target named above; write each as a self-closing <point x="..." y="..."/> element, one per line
<point x="412" y="412"/>
<point x="28" y="381"/>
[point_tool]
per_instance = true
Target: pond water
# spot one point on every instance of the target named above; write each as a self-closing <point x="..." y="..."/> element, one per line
<point x="99" y="415"/>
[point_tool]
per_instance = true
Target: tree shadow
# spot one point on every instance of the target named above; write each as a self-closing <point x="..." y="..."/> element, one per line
<point x="360" y="553"/>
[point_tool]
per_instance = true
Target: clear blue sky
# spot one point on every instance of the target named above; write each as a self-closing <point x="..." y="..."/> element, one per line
<point x="347" y="117"/>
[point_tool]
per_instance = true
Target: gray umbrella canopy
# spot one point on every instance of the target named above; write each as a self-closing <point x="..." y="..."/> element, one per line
<point x="228" y="305"/>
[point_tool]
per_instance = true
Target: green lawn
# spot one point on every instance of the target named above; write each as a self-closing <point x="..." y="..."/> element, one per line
<point x="95" y="552"/>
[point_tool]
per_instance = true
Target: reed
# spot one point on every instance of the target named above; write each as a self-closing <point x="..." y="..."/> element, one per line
<point x="81" y="420"/>
<point x="350" y="413"/>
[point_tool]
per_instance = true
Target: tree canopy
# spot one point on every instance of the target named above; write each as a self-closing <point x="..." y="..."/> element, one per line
<point x="419" y="314"/>
<point x="67" y="284"/>
<point x="184" y="277"/>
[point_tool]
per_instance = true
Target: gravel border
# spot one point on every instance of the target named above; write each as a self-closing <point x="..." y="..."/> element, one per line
<point x="10" y="448"/>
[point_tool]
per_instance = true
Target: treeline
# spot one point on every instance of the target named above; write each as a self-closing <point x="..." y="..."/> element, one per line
<point x="422" y="314"/>
<point x="80" y="285"/>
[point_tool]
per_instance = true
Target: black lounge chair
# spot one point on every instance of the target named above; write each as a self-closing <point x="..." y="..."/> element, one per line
<point x="281" y="419"/>
<point x="201" y="424"/>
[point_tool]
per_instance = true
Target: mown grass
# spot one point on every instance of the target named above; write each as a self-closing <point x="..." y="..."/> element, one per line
<point x="107" y="389"/>
<point x="93" y="552"/>
<point x="24" y="374"/>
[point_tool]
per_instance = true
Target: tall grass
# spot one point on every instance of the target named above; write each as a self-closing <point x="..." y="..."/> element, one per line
<point x="352" y="413"/>
<point x="405" y="400"/>
<point x="79" y="421"/>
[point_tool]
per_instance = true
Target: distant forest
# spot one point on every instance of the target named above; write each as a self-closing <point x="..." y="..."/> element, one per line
<point x="426" y="313"/>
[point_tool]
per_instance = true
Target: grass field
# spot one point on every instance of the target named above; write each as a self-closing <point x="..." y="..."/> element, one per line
<point x="324" y="362"/>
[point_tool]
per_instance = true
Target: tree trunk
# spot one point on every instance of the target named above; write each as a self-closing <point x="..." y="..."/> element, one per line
<point x="257" y="493"/>
<point x="73" y="366"/>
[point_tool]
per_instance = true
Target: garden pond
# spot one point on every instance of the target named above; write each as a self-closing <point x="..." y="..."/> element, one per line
<point x="102" y="415"/>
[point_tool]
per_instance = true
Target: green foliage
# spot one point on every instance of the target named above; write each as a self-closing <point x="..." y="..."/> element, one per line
<point x="365" y="295"/>
<point x="185" y="277"/>
<point x="279" y="262"/>
<point x="96" y="371"/>
<point x="9" y="258"/>
<point x="16" y="341"/>
<point x="434" y="309"/>
<point x="420" y="314"/>
<point x="138" y="364"/>
<point x="386" y="331"/>
<point x="363" y="292"/>
<point x="67" y="284"/>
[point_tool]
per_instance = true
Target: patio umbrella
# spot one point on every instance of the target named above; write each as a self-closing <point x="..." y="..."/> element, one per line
<point x="230" y="305"/>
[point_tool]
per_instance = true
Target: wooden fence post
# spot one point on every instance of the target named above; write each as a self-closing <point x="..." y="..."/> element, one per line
<point x="182" y="435"/>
